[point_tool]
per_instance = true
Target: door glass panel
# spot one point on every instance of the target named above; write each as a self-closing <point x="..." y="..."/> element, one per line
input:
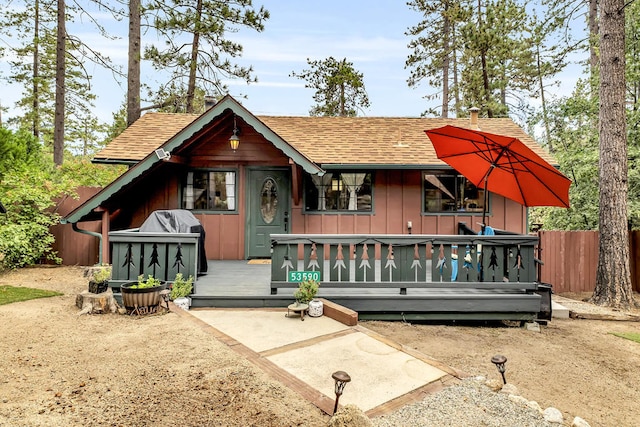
<point x="269" y="200"/>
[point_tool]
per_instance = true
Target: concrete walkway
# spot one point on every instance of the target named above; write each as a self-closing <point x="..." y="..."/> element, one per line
<point x="304" y="354"/>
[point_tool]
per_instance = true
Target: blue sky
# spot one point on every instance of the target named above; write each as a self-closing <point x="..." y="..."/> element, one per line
<point x="370" y="34"/>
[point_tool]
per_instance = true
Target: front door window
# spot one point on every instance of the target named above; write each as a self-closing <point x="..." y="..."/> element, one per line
<point x="269" y="200"/>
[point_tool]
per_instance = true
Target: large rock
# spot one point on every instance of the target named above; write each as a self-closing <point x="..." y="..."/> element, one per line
<point x="553" y="415"/>
<point x="579" y="422"/>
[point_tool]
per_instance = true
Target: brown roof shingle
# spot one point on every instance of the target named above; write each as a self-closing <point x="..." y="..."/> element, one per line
<point x="326" y="141"/>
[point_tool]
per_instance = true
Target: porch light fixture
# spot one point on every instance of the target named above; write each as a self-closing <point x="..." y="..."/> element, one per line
<point x="341" y="378"/>
<point x="499" y="360"/>
<point x="234" y="141"/>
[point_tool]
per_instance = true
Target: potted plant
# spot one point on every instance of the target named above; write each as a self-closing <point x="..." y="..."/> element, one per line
<point x="99" y="281"/>
<point x="180" y="291"/>
<point x="307" y="290"/>
<point x="142" y="296"/>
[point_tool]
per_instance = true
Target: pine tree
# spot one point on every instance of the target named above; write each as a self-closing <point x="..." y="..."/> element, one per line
<point x="613" y="278"/>
<point x="339" y="88"/>
<point x="197" y="45"/>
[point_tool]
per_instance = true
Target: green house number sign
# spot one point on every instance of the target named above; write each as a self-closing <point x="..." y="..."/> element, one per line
<point x="301" y="276"/>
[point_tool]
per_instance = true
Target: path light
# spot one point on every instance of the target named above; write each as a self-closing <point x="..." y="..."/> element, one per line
<point x="499" y="360"/>
<point x="341" y="378"/>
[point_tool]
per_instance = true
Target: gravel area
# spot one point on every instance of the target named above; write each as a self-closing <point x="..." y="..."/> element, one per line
<point x="470" y="403"/>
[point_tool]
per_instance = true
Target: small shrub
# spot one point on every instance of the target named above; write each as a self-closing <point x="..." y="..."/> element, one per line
<point x="25" y="238"/>
<point x="101" y="275"/>
<point x="150" y="282"/>
<point x="306" y="291"/>
<point x="99" y="281"/>
<point x="181" y="287"/>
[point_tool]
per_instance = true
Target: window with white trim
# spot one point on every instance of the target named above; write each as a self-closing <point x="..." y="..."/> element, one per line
<point x="209" y="190"/>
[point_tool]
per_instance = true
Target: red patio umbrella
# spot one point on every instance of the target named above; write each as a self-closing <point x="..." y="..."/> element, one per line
<point x="501" y="164"/>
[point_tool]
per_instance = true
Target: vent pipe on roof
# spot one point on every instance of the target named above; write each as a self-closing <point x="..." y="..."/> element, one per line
<point x="209" y="101"/>
<point x="473" y="112"/>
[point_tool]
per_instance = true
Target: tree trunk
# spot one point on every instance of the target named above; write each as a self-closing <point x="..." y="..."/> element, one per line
<point x="543" y="102"/>
<point x="36" y="71"/>
<point x="101" y="303"/>
<point x="458" y="107"/>
<point x="483" y="62"/>
<point x="446" y="62"/>
<point x="593" y="36"/>
<point x="58" y="126"/>
<point x="613" y="279"/>
<point x="133" y="71"/>
<point x="193" y="65"/>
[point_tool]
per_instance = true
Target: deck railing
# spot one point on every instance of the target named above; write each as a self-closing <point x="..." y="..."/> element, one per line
<point x="404" y="261"/>
<point x="162" y="255"/>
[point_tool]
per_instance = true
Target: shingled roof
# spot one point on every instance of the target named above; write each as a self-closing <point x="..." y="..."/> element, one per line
<point x="327" y="141"/>
<point x="314" y="143"/>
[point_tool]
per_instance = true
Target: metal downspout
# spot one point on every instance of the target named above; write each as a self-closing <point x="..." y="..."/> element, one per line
<point x="74" y="225"/>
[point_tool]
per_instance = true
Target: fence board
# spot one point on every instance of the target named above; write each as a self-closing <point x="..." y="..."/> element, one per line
<point x="75" y="248"/>
<point x="570" y="260"/>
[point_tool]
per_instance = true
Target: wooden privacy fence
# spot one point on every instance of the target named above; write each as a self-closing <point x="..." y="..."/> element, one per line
<point x="571" y="259"/>
<point x="73" y="247"/>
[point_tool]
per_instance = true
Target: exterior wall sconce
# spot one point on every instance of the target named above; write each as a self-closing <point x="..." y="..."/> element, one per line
<point x="234" y="141"/>
<point x="341" y="378"/>
<point x="499" y="360"/>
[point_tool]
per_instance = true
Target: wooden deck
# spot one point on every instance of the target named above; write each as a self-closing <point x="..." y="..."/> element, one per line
<point x="246" y="284"/>
<point x="403" y="277"/>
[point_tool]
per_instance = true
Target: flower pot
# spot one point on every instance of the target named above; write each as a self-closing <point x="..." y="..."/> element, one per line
<point x="98" y="287"/>
<point x="316" y="307"/>
<point x="183" y="302"/>
<point x="145" y="300"/>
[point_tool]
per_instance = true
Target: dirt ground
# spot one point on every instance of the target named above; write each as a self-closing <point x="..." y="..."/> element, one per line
<point x="59" y="368"/>
<point x="577" y="366"/>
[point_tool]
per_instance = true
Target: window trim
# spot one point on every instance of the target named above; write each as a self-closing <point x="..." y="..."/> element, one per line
<point x="307" y="179"/>
<point x="210" y="211"/>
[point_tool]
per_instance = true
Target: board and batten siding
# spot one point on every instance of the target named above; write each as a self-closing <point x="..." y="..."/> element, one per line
<point x="397" y="199"/>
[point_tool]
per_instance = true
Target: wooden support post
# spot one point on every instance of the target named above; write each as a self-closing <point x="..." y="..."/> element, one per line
<point x="106" y="256"/>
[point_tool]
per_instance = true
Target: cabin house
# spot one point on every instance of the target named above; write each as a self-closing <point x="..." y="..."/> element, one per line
<point x="364" y="200"/>
<point x="300" y="175"/>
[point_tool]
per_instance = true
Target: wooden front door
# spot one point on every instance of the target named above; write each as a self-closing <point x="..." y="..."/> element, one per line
<point x="268" y="203"/>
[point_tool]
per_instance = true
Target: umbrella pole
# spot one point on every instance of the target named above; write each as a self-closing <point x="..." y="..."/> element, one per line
<point x="484" y="216"/>
<point x="486" y="201"/>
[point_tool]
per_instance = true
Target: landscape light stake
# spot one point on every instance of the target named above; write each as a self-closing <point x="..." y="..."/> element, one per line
<point x="499" y="360"/>
<point x="341" y="378"/>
